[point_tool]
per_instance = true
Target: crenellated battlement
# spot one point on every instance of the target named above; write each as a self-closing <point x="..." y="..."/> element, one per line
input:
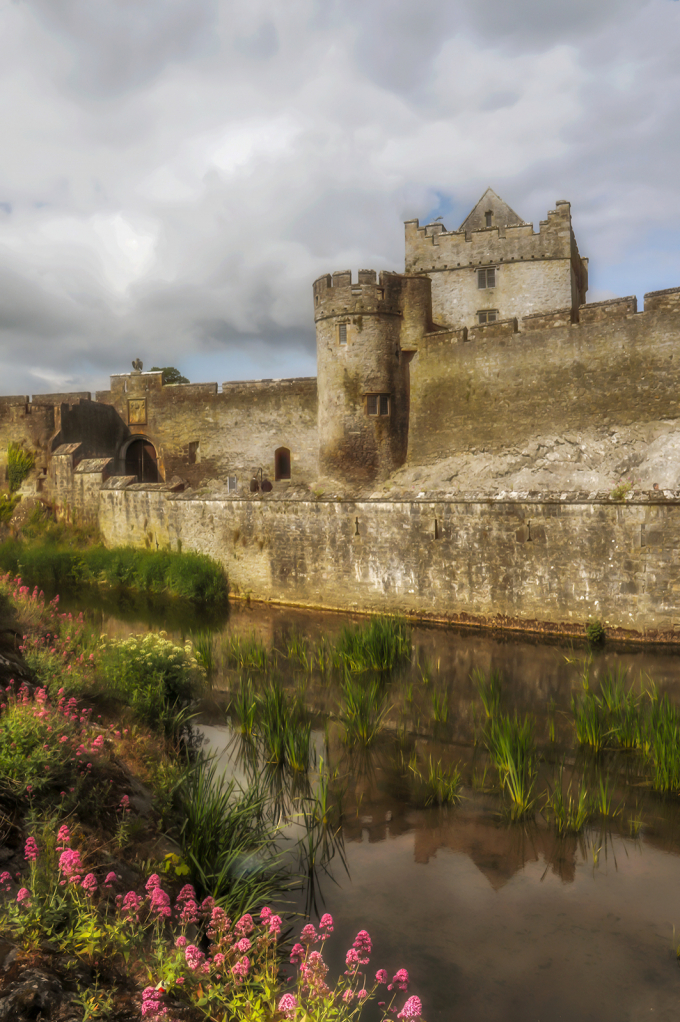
<point x="371" y="294"/>
<point x="431" y="247"/>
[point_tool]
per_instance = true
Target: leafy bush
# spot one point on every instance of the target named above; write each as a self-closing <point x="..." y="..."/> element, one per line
<point x="190" y="576"/>
<point x="7" y="505"/>
<point x="595" y="633"/>
<point x="19" y="464"/>
<point x="151" y="675"/>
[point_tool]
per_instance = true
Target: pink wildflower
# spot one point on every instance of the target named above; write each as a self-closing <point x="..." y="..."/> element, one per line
<point x="297" y="954"/>
<point x="362" y="943"/>
<point x="274" y="925"/>
<point x="194" y="957"/>
<point x="154" y="880"/>
<point x="412" y="1009"/>
<point x="89" y="884"/>
<point x="219" y="923"/>
<point x="207" y="905"/>
<point x="265" y="915"/>
<point x="70" y="864"/>
<point x="131" y="903"/>
<point x="23" y="895"/>
<point x="381" y="976"/>
<point x="151" y="1004"/>
<point x="111" y="879"/>
<point x="399" y="980"/>
<point x="186" y="894"/>
<point x="181" y="942"/>
<point x="352" y="960"/>
<point x="244" y="926"/>
<point x="240" y="970"/>
<point x="243" y="945"/>
<point x="189" y="913"/>
<point x="5" y="880"/>
<point x="287" y="1005"/>
<point x="326" y="923"/>
<point x="347" y="996"/>
<point x="30" y="850"/>
<point x="362" y="994"/>
<point x="218" y="960"/>
<point x="160" y="902"/>
<point x="309" y="934"/>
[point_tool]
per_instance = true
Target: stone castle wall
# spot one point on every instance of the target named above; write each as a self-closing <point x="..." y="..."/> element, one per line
<point x="496" y="384"/>
<point x="550" y="562"/>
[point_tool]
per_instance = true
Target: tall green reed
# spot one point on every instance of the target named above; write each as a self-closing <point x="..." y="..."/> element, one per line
<point x="363" y="710"/>
<point x="380" y="645"/>
<point x="513" y="751"/>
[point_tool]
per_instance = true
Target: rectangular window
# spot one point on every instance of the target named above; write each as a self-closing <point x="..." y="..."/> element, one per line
<point x="377" y="404"/>
<point x="194" y="452"/>
<point x="342" y="333"/>
<point x="231" y="484"/>
<point x="487" y="316"/>
<point x="486" y="277"/>
<point x="488" y="216"/>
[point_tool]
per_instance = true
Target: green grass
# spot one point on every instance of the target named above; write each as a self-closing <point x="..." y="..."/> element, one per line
<point x="53" y="568"/>
<point x="489" y="690"/>
<point x="438" y="786"/>
<point x="440" y="706"/>
<point x="568" y="812"/>
<point x="246" y="652"/>
<point x="7" y="505"/>
<point x="19" y="464"/>
<point x="363" y="710"/>
<point x="227" y="840"/>
<point x="513" y="751"/>
<point x="380" y="645"/>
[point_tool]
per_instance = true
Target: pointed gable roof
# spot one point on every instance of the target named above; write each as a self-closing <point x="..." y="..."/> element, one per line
<point x="502" y="215"/>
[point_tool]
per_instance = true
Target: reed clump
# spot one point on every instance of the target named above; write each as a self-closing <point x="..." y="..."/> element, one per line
<point x="511" y="745"/>
<point x="363" y="710"/>
<point x="246" y="652"/>
<point x="381" y="645"/>
<point x="437" y="785"/>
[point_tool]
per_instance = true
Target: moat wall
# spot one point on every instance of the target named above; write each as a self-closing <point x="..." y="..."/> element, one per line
<point x="548" y="563"/>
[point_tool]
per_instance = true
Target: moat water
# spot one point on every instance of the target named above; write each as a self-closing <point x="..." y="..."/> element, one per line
<point x="496" y="922"/>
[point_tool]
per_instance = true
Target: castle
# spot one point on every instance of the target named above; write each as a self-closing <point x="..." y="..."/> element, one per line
<point x="478" y="378"/>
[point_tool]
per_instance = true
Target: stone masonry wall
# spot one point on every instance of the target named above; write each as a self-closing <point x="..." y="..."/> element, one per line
<point x="549" y="563"/>
<point x="201" y="434"/>
<point x="494" y="385"/>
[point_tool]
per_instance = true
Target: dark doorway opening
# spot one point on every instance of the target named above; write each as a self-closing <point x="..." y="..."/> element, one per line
<point x="281" y="463"/>
<point x="140" y="461"/>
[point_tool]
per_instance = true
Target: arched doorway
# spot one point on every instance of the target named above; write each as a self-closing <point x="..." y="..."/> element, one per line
<point x="140" y="461"/>
<point x="281" y="463"/>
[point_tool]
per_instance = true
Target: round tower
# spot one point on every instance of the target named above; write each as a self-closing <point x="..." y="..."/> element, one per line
<point x="363" y="371"/>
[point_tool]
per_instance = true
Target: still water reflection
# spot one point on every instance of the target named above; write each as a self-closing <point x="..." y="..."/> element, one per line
<point x="495" y="922"/>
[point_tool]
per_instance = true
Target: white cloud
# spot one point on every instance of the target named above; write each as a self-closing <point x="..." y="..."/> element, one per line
<point x="175" y="173"/>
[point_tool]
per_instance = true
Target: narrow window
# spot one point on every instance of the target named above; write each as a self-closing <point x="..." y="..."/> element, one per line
<point x="488" y="216"/>
<point x="381" y="293"/>
<point x="194" y="452"/>
<point x="377" y="404"/>
<point x="281" y="463"/>
<point x="486" y="277"/>
<point x="342" y="333"/>
<point x="487" y="315"/>
<point x="232" y="484"/>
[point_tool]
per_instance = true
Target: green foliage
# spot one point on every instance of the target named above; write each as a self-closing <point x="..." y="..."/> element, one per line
<point x="620" y="490"/>
<point x="246" y="652"/>
<point x="227" y="840"/>
<point x="489" y="690"/>
<point x="19" y="465"/>
<point x="170" y="374"/>
<point x="595" y="633"/>
<point x="378" y="646"/>
<point x="151" y="675"/>
<point x="513" y="751"/>
<point x="7" y="505"/>
<point x="439" y="786"/>
<point x="363" y="710"/>
<point x="568" y="813"/>
<point x="190" y="576"/>
<point x="440" y="706"/>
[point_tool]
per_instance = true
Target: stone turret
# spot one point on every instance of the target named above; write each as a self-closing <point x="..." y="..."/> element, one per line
<point x="366" y="333"/>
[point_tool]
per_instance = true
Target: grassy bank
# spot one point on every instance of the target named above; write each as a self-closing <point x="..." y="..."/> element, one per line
<point x="135" y="877"/>
<point x="57" y="566"/>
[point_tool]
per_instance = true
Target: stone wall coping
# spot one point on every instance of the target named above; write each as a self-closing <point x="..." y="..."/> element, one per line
<point x="93" y="465"/>
<point x="634" y="498"/>
<point x="65" y="449"/>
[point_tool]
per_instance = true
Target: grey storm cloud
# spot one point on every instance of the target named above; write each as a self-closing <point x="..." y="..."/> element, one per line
<point x="176" y="173"/>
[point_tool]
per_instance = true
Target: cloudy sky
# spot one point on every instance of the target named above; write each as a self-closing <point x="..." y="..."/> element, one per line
<point x="175" y="173"/>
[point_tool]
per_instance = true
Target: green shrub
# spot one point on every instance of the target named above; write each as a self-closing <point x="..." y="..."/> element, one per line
<point x="19" y="464"/>
<point x="7" y="505"/>
<point x="595" y="633"/>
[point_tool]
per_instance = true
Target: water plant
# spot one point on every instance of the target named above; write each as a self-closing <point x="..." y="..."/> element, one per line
<point x="246" y="652"/>
<point x="380" y="645"/>
<point x="363" y="710"/>
<point x="489" y="690"/>
<point x="204" y="651"/>
<point x="567" y="812"/>
<point x="440" y="706"/>
<point x="438" y="785"/>
<point x="595" y="632"/>
<point x="513" y="751"/>
<point x="244" y="709"/>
